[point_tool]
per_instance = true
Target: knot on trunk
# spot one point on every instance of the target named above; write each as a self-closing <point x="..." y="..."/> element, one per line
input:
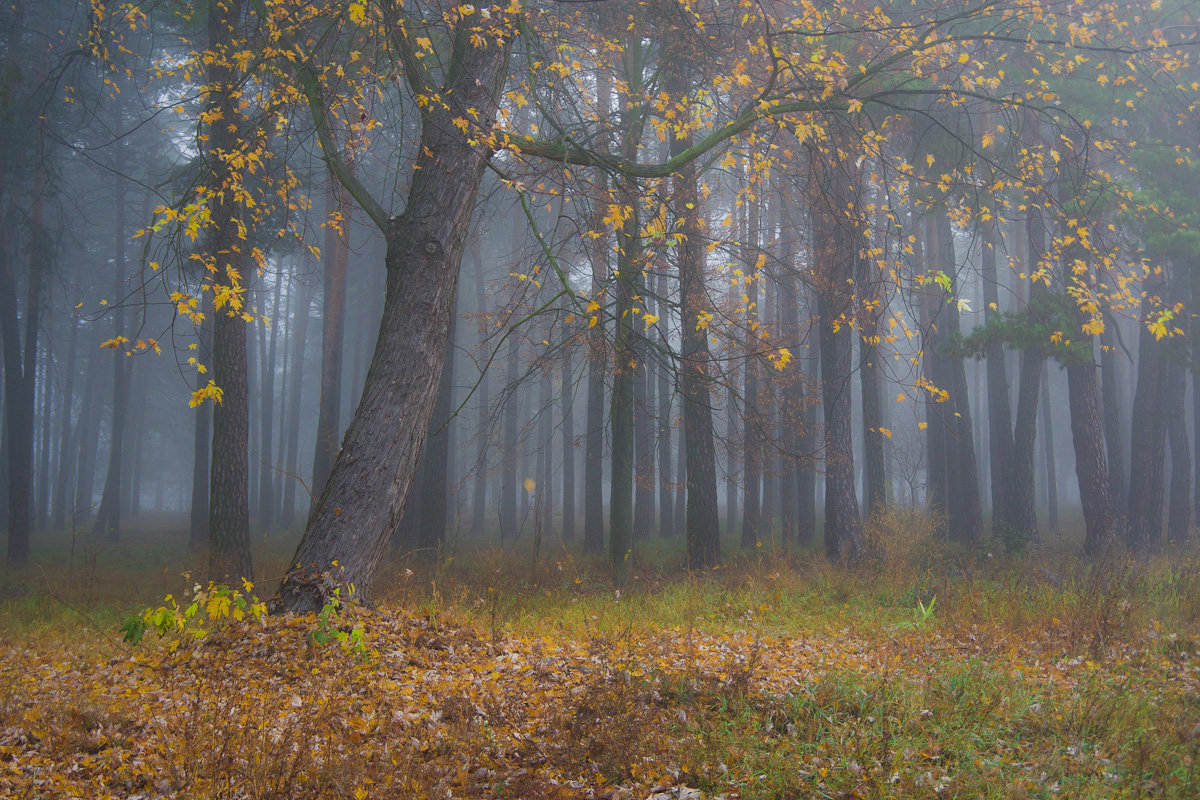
<point x="307" y="589"/>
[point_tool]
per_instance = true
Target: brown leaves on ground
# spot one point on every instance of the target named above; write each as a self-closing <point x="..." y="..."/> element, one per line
<point x="440" y="710"/>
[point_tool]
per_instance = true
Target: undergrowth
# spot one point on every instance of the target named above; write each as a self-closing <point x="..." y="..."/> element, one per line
<point x="926" y="672"/>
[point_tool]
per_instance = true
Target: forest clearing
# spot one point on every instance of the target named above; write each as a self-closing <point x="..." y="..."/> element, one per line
<point x="785" y="678"/>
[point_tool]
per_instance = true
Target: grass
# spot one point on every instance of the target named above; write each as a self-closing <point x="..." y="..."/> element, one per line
<point x="928" y="672"/>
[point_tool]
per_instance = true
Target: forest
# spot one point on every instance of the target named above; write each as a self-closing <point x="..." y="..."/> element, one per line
<point x="600" y="399"/>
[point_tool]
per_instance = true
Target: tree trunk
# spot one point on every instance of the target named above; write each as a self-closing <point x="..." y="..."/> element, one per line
<point x="1148" y="437"/>
<point x="967" y="507"/>
<point x="1179" y="506"/>
<point x="45" y="426"/>
<point x="1090" y="464"/>
<point x="20" y="368"/>
<point x="1048" y="445"/>
<point x="699" y="465"/>
<point x="370" y="480"/>
<point x="806" y="475"/>
<point x="836" y="239"/>
<point x="228" y="510"/>
<point x="337" y="258"/>
<point x="666" y="504"/>
<point x="508" y="469"/>
<point x="479" y="494"/>
<point x="299" y="339"/>
<point x="644" y="429"/>
<point x="593" y="453"/>
<point x="1021" y="515"/>
<point x="89" y="434"/>
<point x="567" y="391"/>
<point x="108" y="519"/>
<point x="871" y="377"/>
<point x="66" y="434"/>
<point x="1113" y="441"/>
<point x="751" y="422"/>
<point x="267" y="502"/>
<point x="431" y="535"/>
<point x="621" y="411"/>
<point x="999" y="417"/>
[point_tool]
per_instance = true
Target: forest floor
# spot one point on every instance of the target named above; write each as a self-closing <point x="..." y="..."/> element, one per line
<point x="775" y="677"/>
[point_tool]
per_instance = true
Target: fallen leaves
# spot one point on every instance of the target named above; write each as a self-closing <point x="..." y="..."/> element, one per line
<point x="433" y="708"/>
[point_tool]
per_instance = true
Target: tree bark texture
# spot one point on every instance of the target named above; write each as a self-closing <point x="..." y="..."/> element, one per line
<point x="702" y="524"/>
<point x="370" y="481"/>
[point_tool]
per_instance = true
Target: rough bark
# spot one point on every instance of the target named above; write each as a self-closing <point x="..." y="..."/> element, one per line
<point x="621" y="410"/>
<point x="695" y="377"/>
<point x="228" y="512"/>
<point x="1091" y="467"/>
<point x="370" y="480"/>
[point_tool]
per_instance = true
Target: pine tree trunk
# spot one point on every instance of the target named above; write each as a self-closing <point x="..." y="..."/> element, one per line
<point x="20" y="369"/>
<point x="267" y="502"/>
<point x="508" y="468"/>
<point x="299" y="343"/>
<point x="333" y="333"/>
<point x="567" y="391"/>
<point x="698" y="466"/>
<point x="999" y="417"/>
<point x="1179" y="506"/>
<point x="836" y="238"/>
<point x="1113" y="441"/>
<point x="108" y="519"/>
<point x="1148" y="436"/>
<point x="89" y="435"/>
<point x="1048" y="445"/>
<point x="483" y="431"/>
<point x="45" y="426"/>
<point x="666" y="504"/>
<point x="621" y="411"/>
<point x="644" y="433"/>
<point x="431" y="535"/>
<point x="751" y="423"/>
<point x="1090" y="464"/>
<point x="67" y="436"/>
<point x="967" y="517"/>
